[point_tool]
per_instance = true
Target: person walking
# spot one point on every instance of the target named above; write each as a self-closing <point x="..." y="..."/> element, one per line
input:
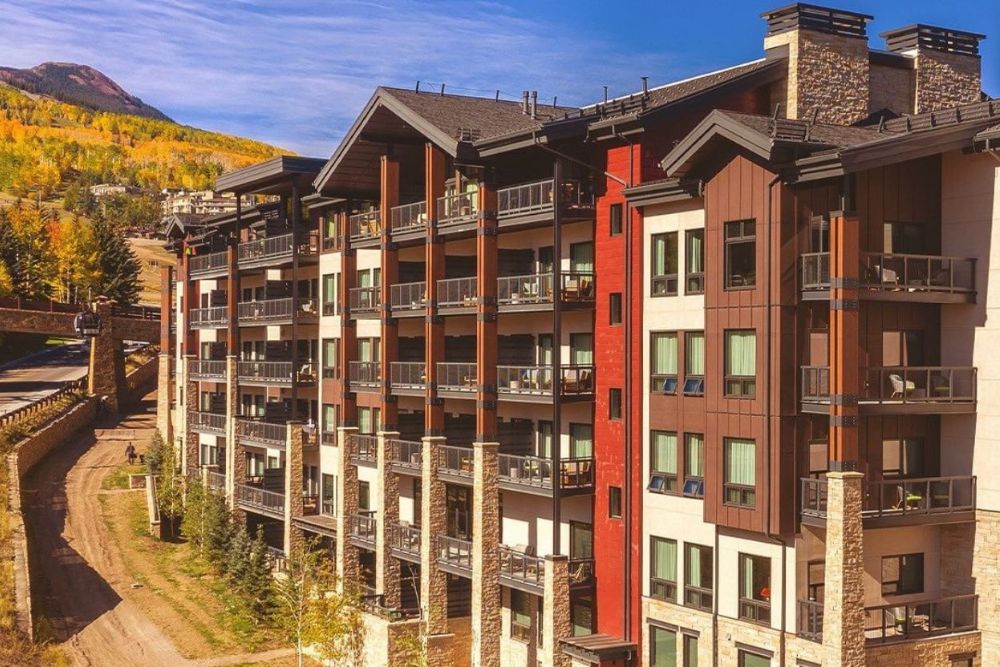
<point x="130" y="453"/>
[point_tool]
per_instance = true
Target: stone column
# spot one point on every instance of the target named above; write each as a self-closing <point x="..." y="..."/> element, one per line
<point x="844" y="593"/>
<point x="293" y="485"/>
<point x="556" y="623"/>
<point x="485" y="557"/>
<point x="387" y="582"/>
<point x="107" y="362"/>
<point x="191" y="456"/>
<point x="163" y="421"/>
<point x="433" y="582"/>
<point x="348" y="569"/>
<point x="236" y="462"/>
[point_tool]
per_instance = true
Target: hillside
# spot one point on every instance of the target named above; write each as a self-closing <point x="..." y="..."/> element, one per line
<point x="79" y="85"/>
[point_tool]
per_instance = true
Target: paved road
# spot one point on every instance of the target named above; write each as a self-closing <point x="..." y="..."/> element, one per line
<point x="34" y="378"/>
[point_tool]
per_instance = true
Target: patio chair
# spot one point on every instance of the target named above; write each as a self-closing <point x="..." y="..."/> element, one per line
<point x="900" y="387"/>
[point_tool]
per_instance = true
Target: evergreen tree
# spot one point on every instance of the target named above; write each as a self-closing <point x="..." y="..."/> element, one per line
<point x="195" y="515"/>
<point x="257" y="582"/>
<point x="119" y="267"/>
<point x="219" y="531"/>
<point x="238" y="557"/>
<point x="155" y="453"/>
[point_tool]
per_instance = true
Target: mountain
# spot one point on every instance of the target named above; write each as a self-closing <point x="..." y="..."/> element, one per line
<point x="80" y="85"/>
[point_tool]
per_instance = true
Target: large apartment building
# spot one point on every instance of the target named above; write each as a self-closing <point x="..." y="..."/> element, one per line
<point x="697" y="376"/>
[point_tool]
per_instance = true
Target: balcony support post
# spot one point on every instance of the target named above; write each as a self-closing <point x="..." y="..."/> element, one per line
<point x="236" y="462"/>
<point x="348" y="331"/>
<point x="556" y="622"/>
<point x="434" y="168"/>
<point x="845" y="382"/>
<point x="486" y="602"/>
<point x="348" y="567"/>
<point x="192" y="439"/>
<point x="389" y="339"/>
<point x="387" y="575"/>
<point x="844" y="593"/>
<point x="486" y="315"/>
<point x="294" y="537"/>
<point x="433" y="582"/>
<point x="163" y="417"/>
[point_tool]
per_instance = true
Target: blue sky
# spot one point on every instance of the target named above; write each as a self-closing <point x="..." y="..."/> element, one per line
<point x="296" y="73"/>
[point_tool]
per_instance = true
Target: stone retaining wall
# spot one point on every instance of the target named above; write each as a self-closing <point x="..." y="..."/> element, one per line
<point x="141" y="377"/>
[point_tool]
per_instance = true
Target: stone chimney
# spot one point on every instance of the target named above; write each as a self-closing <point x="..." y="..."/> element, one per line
<point x="947" y="69"/>
<point x="828" y="68"/>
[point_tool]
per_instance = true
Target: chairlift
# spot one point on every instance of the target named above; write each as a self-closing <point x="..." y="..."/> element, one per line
<point x="87" y="324"/>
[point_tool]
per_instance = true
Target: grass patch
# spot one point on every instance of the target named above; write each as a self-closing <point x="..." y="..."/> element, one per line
<point x="119" y="477"/>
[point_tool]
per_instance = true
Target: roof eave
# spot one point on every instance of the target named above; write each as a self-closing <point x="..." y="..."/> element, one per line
<point x="716" y="125"/>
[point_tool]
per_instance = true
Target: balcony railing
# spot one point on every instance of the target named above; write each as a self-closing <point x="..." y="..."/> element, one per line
<point x="903" y="273"/>
<point x="410" y="375"/>
<point x="459" y="377"/>
<point x="810" y="620"/>
<point x="260" y="432"/>
<point x="581" y="571"/>
<point x="362" y="528"/>
<point x="405" y="539"/>
<point x="901" y="500"/>
<point x="258" y="498"/>
<point x="522" y="567"/>
<point x="215" y="480"/>
<point x="577" y="286"/>
<point x="524" y="290"/>
<point x="534" y="471"/>
<point x="457" y="293"/>
<point x="539" y="196"/>
<point x="276" y="310"/>
<point x="458" y="207"/>
<point x="275" y="248"/>
<point x="211" y="263"/>
<point x="364" y="448"/>
<point x="275" y="372"/>
<point x="454" y="552"/>
<point x="456" y="461"/>
<point x="209" y="318"/>
<point x="917" y="620"/>
<point x="816" y="384"/>
<point x="815" y="271"/>
<point x="365" y="300"/>
<point x="365" y="374"/>
<point x="207" y="421"/>
<point x="577" y="380"/>
<point x="365" y="225"/>
<point x="899" y="385"/>
<point x="409" y="217"/>
<point x="524" y="380"/>
<point x="406" y="454"/>
<point x="206" y="369"/>
<point x="405" y="297"/>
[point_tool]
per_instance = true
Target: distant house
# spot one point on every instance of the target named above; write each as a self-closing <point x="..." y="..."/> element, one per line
<point x="199" y="202"/>
<point x="108" y="189"/>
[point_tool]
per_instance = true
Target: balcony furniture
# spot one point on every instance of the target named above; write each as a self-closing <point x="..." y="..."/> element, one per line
<point x="579" y="385"/>
<point x="901" y="388"/>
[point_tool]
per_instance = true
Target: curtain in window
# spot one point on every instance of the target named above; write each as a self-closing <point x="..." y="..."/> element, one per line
<point x="658" y="262"/>
<point x="741" y="463"/>
<point x="581" y="349"/>
<point x="545" y="439"/>
<point x="694" y="558"/>
<point x="664" y="452"/>
<point x="665" y="559"/>
<point x="364" y="420"/>
<point x="581" y="440"/>
<point x="520" y="607"/>
<point x="581" y="257"/>
<point x="741" y="353"/>
<point x="330" y="352"/>
<point x="664" y="354"/>
<point x="329" y="288"/>
<point x="695" y="354"/>
<point x="746" y="578"/>
<point x="694" y="455"/>
<point x="664" y="647"/>
<point x="696" y="252"/>
<point x="545" y="350"/>
<point x="329" y="419"/>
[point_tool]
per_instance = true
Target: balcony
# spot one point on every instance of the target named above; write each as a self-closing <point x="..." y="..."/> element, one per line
<point x="260" y="501"/>
<point x="212" y="265"/>
<point x="261" y="433"/>
<point x="209" y="318"/>
<point x="809" y="622"/>
<point x="918" y="620"/>
<point x="533" y="474"/>
<point x="458" y="379"/>
<point x="455" y="464"/>
<point x="409" y="220"/>
<point x="406" y="456"/>
<point x="365" y="301"/>
<point x="279" y="373"/>
<point x="216" y="481"/>
<point x="457" y="295"/>
<point x="531" y="293"/>
<point x="535" y="202"/>
<point x="361" y="528"/>
<point x="408" y="378"/>
<point x="207" y="422"/>
<point x="277" y="311"/>
<point x="533" y="384"/>
<point x="404" y="540"/>
<point x="900" y="502"/>
<point x="408" y="299"/>
<point x="329" y="438"/>
<point x="207" y="369"/>
<point x="458" y="209"/>
<point x="365" y="226"/>
<point x="898" y="390"/>
<point x="521" y="570"/>
<point x="454" y="555"/>
<point x="365" y="376"/>
<point x="364" y="450"/>
<point x="888" y="277"/>
<point x="273" y="251"/>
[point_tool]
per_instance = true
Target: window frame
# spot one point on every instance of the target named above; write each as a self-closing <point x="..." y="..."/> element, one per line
<point x="659" y="627"/>
<point x="746" y="384"/>
<point x="741" y="238"/>
<point x="754" y="609"/>
<point x="616" y="219"/>
<point x="663" y="482"/>
<point x="614" y="309"/>
<point x="896" y="586"/>
<point x="614" y="404"/>
<point x="694" y="485"/>
<point x="614" y="502"/>
<point x="699" y="597"/>
<point x="664" y="284"/>
<point x="519" y="630"/>
<point x="694" y="277"/>
<point x="665" y="384"/>
<point x="738" y="494"/>
<point x="659" y="587"/>
<point x="694" y="383"/>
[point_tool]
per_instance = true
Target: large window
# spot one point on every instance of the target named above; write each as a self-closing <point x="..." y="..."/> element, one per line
<point x="662" y="647"/>
<point x="581" y="441"/>
<point x="328" y="422"/>
<point x="694" y="259"/>
<point x="663" y="569"/>
<point x="903" y="574"/>
<point x="755" y="588"/>
<point x="741" y="254"/>
<point x="328" y="498"/>
<point x="690" y="650"/>
<point x="581" y="257"/>
<point x="902" y="457"/>
<point x="698" y="576"/>
<point x="663" y="363"/>
<point x="330" y="349"/>
<point x="369" y="421"/>
<point x="331" y="298"/>
<point x="520" y="615"/>
<point x="663" y="462"/>
<point x="741" y="363"/>
<point x="740" y="485"/>
<point x="581" y="349"/>
<point x="694" y="363"/>
<point x="694" y="465"/>
<point x="663" y="264"/>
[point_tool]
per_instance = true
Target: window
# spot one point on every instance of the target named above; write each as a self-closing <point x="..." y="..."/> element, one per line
<point x="663" y="265"/>
<point x="364" y="497"/>
<point x="581" y="441"/>
<point x="694" y="363"/>
<point x="741" y="363"/>
<point x="615" y="308"/>
<point x="209" y="454"/>
<point x="694" y="261"/>
<point x="663" y="363"/>
<point x="544" y="351"/>
<point x="329" y="420"/>
<point x="663" y="569"/>
<point x="902" y="458"/>
<point x="694" y="465"/>
<point x="581" y="611"/>
<point x="328" y="495"/>
<point x="690" y="650"/>
<point x="962" y="660"/>
<point x="581" y="349"/>
<point x="662" y="647"/>
<point x="331" y="297"/>
<point x="369" y="421"/>
<point x="615" y="502"/>
<point x="330" y="349"/>
<point x="615" y="219"/>
<point x="543" y="446"/>
<point x="752" y="659"/>
<point x="755" y="588"/>
<point x="902" y="575"/>
<point x="663" y="462"/>
<point x="740" y="486"/>
<point x="520" y="615"/>
<point x="614" y="404"/>
<point x="698" y="576"/>
<point x="741" y="254"/>
<point x="581" y="257"/>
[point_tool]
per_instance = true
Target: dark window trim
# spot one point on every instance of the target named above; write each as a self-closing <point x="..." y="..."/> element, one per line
<point x="728" y="242"/>
<point x="747" y="383"/>
<point x="611" y="511"/>
<point x="614" y="230"/>
<point x="668" y="587"/>
<point x="698" y="276"/>
<point x="614" y="318"/>
<point x="899" y="582"/>
<point x="752" y="603"/>
<point x="669" y="283"/>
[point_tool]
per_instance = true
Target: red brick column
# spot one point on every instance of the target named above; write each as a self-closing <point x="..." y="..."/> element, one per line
<point x="389" y="339"/>
<point x="845" y="384"/>
<point x="486" y="316"/>
<point x="348" y="331"/>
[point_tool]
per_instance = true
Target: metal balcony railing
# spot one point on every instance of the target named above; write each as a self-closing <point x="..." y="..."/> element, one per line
<point x="458" y="207"/>
<point x="210" y="263"/>
<point x="457" y="293"/>
<point x="406" y="454"/>
<point x="365" y="300"/>
<point x="815" y="271"/>
<point x="258" y="498"/>
<point x="905" y="273"/>
<point x="409" y="217"/>
<point x="521" y="567"/>
<point x="524" y="380"/>
<point x="577" y="380"/>
<point x="206" y="369"/>
<point x="454" y="552"/>
<point x="365" y="374"/>
<point x="899" y="385"/>
<point x="405" y="539"/>
<point x="408" y="375"/>
<point x="362" y="528"/>
<point x="459" y="377"/>
<point x="539" y="196"/>
<point x="364" y="448"/>
<point x="408" y="297"/>
<point x="524" y="290"/>
<point x="365" y="225"/>
<point x="534" y="471"/>
<point x="276" y="310"/>
<point x="917" y="620"/>
<point x="215" y="480"/>
<point x="457" y="461"/>
<point x="577" y="286"/>
<point x="810" y="620"/>
<point x="276" y="248"/>
<point x="276" y="372"/>
<point x="261" y="432"/>
<point x="208" y="318"/>
<point x="900" y="499"/>
<point x="207" y="421"/>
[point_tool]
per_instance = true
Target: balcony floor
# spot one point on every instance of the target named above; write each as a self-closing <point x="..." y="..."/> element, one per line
<point x="897" y="407"/>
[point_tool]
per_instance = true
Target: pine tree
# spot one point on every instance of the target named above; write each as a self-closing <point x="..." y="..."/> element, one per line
<point x="195" y="516"/>
<point x="119" y="267"/>
<point x="238" y="557"/>
<point x="219" y="531"/>
<point x="257" y="583"/>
